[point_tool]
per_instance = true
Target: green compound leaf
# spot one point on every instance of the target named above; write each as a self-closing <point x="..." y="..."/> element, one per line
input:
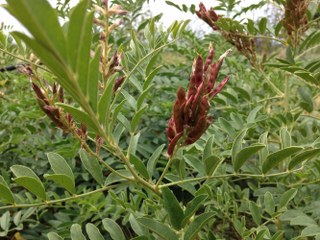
<point x="269" y="203"/>
<point x="113" y="228"/>
<point x="255" y="211"/>
<point x="163" y="231"/>
<point x="143" y="96"/>
<point x="263" y="25"/>
<point x="287" y="197"/>
<point x="79" y="116"/>
<point x="173" y="208"/>
<point x="245" y="154"/>
<point x="63" y="173"/>
<point x="41" y="21"/>
<point x="192" y="207"/>
<point x="207" y="152"/>
<point x="211" y="164"/>
<point x="149" y="78"/>
<point x="26" y="178"/>
<point x="93" y="232"/>
<point x="136" y="118"/>
<point x="94" y="80"/>
<point x="138" y="164"/>
<point x="59" y="165"/>
<point x="76" y="232"/>
<point x="91" y="164"/>
<point x="196" y="226"/>
<point x="62" y="180"/>
<point x="54" y="236"/>
<point x="304" y="156"/>
<point x="152" y="162"/>
<point x="275" y="158"/>
<point x="237" y="144"/>
<point x="105" y="101"/>
<point x="6" y="193"/>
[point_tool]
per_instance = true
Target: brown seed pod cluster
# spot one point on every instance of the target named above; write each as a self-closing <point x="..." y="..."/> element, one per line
<point x="240" y="39"/>
<point x="190" y="118"/>
<point x="109" y="66"/>
<point x="62" y="120"/>
<point x="115" y="66"/>
<point x="47" y="106"/>
<point x="209" y="16"/>
<point x="295" y="19"/>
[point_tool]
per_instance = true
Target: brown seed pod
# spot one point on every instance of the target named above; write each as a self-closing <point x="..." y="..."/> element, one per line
<point x="187" y="112"/>
<point x="192" y="86"/>
<point x="209" y="58"/>
<point x="196" y="132"/>
<point x="173" y="143"/>
<point x="171" y="132"/>
<point x="190" y="116"/>
<point x="40" y="93"/>
<point x="198" y="71"/>
<point x="197" y="99"/>
<point x="118" y="83"/>
<point x="219" y="87"/>
<point x="61" y="95"/>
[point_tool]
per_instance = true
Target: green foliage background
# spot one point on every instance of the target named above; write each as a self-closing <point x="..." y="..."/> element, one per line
<point x="254" y="174"/>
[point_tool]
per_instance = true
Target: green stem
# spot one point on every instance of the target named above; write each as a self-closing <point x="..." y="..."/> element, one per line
<point x="267" y="99"/>
<point x="310" y="116"/>
<point x="88" y="150"/>
<point x="140" y="180"/>
<point x="275" y="88"/>
<point x="286" y="93"/>
<point x="106" y="46"/>
<point x="24" y="60"/>
<point x="306" y="51"/>
<point x="130" y="144"/>
<point x="230" y="175"/>
<point x="262" y="37"/>
<point x="53" y="202"/>
<point x="164" y="172"/>
<point x="113" y="148"/>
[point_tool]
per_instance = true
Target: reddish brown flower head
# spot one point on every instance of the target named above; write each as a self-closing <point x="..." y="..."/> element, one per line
<point x="190" y="118"/>
<point x="209" y="16"/>
<point x="295" y="19"/>
<point x="237" y="36"/>
<point x="118" y="83"/>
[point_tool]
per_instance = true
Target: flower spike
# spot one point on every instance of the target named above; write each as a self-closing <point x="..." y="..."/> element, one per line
<point x="190" y="118"/>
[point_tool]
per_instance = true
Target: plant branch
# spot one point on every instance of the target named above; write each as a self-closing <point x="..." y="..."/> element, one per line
<point x="275" y="88"/>
<point x="24" y="60"/>
<point x="164" y="172"/>
<point x="308" y="50"/>
<point x="262" y="37"/>
<point x="139" y="179"/>
<point x="230" y="175"/>
<point x="53" y="202"/>
<point x="286" y="93"/>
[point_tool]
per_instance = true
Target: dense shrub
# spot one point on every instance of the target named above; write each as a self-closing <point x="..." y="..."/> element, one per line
<point x="113" y="127"/>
